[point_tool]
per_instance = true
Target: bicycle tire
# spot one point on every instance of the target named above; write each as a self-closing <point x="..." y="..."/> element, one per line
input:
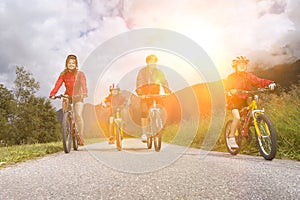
<point x="75" y="138"/>
<point x="67" y="132"/>
<point x="226" y="136"/>
<point x="149" y="142"/>
<point x="156" y="126"/>
<point x="267" y="143"/>
<point x="157" y="142"/>
<point x="155" y="122"/>
<point x="118" y="135"/>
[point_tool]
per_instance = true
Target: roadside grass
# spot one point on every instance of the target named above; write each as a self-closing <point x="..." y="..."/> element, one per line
<point x="284" y="112"/>
<point x="18" y="153"/>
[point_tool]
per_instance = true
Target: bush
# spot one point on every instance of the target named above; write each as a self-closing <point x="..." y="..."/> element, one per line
<point x="284" y="112"/>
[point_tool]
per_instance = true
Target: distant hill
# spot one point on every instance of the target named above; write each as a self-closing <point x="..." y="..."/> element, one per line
<point x="285" y="75"/>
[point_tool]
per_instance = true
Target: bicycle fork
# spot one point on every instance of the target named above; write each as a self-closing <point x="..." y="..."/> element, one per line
<point x="255" y="113"/>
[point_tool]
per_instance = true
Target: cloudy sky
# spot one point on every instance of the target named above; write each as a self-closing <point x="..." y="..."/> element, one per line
<point x="39" y="34"/>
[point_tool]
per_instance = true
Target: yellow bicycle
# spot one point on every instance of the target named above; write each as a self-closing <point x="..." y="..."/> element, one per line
<point x="252" y="116"/>
<point x="117" y="128"/>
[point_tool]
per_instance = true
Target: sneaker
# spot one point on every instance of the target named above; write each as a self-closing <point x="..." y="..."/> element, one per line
<point x="144" y="138"/>
<point x="80" y="141"/>
<point x="111" y="140"/>
<point x="232" y="143"/>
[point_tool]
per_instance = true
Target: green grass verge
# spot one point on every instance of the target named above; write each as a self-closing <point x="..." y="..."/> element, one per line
<point x="18" y="153"/>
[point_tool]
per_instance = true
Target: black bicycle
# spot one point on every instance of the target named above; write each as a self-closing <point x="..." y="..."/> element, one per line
<point x="70" y="133"/>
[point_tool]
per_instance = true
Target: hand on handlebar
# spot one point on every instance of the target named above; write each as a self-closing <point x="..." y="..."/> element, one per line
<point x="144" y="96"/>
<point x="59" y="96"/>
<point x="259" y="90"/>
<point x="232" y="92"/>
<point x="272" y="86"/>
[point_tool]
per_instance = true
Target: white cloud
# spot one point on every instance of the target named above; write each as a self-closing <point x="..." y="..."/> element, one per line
<point x="228" y="28"/>
<point x="40" y="34"/>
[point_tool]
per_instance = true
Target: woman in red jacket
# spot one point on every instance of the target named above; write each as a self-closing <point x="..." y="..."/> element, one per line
<point x="241" y="80"/>
<point x="75" y="84"/>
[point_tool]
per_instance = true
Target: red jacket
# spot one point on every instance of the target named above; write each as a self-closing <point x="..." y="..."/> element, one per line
<point x="244" y="81"/>
<point x="75" y="83"/>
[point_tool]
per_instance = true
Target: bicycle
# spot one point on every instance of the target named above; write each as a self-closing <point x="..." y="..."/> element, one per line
<point x="252" y="116"/>
<point x="70" y="133"/>
<point x="116" y="127"/>
<point x="156" y="121"/>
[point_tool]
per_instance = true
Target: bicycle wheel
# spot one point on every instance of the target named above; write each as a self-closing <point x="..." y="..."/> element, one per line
<point x="156" y="127"/>
<point x="118" y="129"/>
<point x="267" y="142"/>
<point x="149" y="142"/>
<point x="157" y="142"/>
<point x="155" y="122"/>
<point x="67" y="132"/>
<point x="75" y="138"/>
<point x="232" y="151"/>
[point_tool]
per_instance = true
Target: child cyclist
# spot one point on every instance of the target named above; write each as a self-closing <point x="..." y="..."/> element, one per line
<point x="115" y="100"/>
<point x="75" y="83"/>
<point x="241" y="80"/>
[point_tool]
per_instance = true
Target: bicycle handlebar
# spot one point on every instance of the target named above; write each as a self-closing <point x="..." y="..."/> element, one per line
<point x="259" y="90"/>
<point x="149" y="96"/>
<point x="65" y="96"/>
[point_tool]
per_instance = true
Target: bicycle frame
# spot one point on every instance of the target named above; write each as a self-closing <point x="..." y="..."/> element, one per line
<point x="254" y="113"/>
<point x="154" y="109"/>
<point x="118" y="121"/>
<point x="156" y="123"/>
<point x="71" y="111"/>
<point x="117" y="128"/>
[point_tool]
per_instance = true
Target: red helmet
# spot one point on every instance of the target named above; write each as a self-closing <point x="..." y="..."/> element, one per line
<point x="238" y="60"/>
<point x="151" y="57"/>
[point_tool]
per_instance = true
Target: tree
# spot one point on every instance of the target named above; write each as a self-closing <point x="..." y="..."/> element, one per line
<point x="25" y="118"/>
<point x="25" y="85"/>
<point x="7" y="114"/>
<point x="37" y="122"/>
<point x="35" y="119"/>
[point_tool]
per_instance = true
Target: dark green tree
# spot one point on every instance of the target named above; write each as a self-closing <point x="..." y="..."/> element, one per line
<point x="35" y="120"/>
<point x="7" y="115"/>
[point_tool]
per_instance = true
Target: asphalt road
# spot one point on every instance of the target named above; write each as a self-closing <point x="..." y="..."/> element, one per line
<point x="99" y="171"/>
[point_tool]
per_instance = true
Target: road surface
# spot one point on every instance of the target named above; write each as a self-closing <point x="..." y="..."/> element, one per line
<point x="99" y="171"/>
